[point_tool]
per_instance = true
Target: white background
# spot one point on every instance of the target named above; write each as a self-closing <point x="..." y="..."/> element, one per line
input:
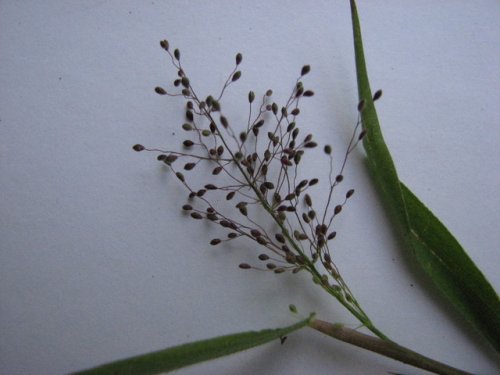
<point x="98" y="263"/>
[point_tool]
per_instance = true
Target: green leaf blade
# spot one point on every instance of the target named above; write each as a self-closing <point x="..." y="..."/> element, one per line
<point x="188" y="354"/>
<point x="472" y="294"/>
<point x="379" y="158"/>
<point x="433" y="246"/>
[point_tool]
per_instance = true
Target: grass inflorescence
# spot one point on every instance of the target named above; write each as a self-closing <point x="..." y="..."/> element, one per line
<point x="257" y="169"/>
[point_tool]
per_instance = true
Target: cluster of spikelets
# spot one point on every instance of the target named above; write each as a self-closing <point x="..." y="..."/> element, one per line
<point x="257" y="168"/>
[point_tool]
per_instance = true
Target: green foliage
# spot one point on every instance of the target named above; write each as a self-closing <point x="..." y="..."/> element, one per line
<point x="189" y="354"/>
<point x="433" y="246"/>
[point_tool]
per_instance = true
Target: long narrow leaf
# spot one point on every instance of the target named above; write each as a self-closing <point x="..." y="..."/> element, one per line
<point x="434" y="247"/>
<point x="189" y="354"/>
